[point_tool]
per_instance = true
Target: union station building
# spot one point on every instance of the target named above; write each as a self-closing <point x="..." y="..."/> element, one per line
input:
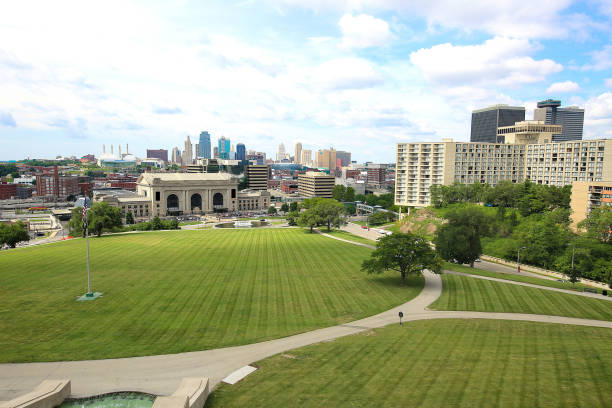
<point x="171" y="194"/>
<point x="188" y="193"/>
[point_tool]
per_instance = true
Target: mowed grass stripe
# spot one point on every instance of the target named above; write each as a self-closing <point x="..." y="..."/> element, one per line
<point x="167" y="292"/>
<point x="459" y="363"/>
<point x="472" y="294"/>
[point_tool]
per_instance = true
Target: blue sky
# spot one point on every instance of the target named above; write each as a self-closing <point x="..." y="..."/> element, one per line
<point x="358" y="75"/>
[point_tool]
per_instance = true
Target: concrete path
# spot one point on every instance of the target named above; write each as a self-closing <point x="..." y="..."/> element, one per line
<point x="532" y="285"/>
<point x="161" y="374"/>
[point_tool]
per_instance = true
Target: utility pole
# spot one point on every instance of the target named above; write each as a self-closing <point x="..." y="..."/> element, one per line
<point x="518" y="259"/>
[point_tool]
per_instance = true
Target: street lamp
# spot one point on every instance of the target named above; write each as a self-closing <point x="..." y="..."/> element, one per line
<point x="518" y="259"/>
<point x="573" y="252"/>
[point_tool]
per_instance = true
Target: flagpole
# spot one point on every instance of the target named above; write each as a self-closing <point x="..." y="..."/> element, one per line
<point x="88" y="276"/>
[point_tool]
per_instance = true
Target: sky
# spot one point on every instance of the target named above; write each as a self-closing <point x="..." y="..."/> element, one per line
<point x="356" y="75"/>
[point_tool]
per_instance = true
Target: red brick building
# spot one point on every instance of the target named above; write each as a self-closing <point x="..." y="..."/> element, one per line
<point x="289" y="186"/>
<point x="54" y="185"/>
<point x="7" y="190"/>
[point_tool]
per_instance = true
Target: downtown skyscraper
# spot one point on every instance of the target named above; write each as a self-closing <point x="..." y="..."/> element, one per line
<point x="204" y="145"/>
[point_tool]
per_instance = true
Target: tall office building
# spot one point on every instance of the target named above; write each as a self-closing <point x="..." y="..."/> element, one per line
<point x="345" y="157"/>
<point x="240" y="151"/>
<point x="280" y="155"/>
<point x="216" y="152"/>
<point x="257" y="177"/>
<point x="306" y="158"/>
<point x="204" y="148"/>
<point x="176" y="156"/>
<point x="297" y="157"/>
<point x="161" y="154"/>
<point x="224" y="148"/>
<point x="316" y="184"/>
<point x="571" y="118"/>
<point x="188" y="152"/>
<point x="327" y="158"/>
<point x="486" y="121"/>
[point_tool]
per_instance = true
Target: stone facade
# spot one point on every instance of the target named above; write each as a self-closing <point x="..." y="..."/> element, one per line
<point x="188" y="193"/>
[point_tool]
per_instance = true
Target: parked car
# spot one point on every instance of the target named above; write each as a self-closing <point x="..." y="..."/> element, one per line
<point x="477" y="260"/>
<point x="364" y="227"/>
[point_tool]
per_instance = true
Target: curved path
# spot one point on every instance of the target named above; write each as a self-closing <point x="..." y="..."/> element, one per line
<point x="161" y="374"/>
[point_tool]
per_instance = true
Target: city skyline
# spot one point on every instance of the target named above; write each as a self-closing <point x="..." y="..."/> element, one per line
<point x="360" y="76"/>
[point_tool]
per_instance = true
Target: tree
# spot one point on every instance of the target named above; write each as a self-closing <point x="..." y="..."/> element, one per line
<point x="102" y="216"/>
<point x="292" y="217"/>
<point x="12" y="234"/>
<point x="459" y="239"/>
<point x="284" y="207"/>
<point x="378" y="218"/>
<point x="349" y="194"/>
<point x="271" y="210"/>
<point x="129" y="218"/>
<point x="599" y="224"/>
<point x="75" y="225"/>
<point x="338" y="192"/>
<point x="293" y="206"/>
<point x="330" y="212"/>
<point x="406" y="253"/>
<point x="309" y="219"/>
<point x="156" y="223"/>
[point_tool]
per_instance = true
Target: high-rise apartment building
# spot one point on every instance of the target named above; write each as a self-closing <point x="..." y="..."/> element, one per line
<point x="297" y="157"/>
<point x="316" y="184"/>
<point x="587" y="195"/>
<point x="419" y="165"/>
<point x="204" y="145"/>
<point x="161" y="154"/>
<point x="216" y="152"/>
<point x="188" y="153"/>
<point x="224" y="148"/>
<point x="240" y="151"/>
<point x="571" y="118"/>
<point x="529" y="131"/>
<point x="486" y="121"/>
<point x="257" y="177"/>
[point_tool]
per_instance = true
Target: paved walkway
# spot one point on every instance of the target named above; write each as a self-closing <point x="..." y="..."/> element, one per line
<point x="161" y="374"/>
<point x="532" y="285"/>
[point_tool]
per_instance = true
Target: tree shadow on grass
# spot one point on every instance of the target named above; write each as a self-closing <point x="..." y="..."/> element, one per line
<point x="413" y="281"/>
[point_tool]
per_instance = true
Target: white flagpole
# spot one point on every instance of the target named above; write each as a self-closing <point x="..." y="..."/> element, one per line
<point x="88" y="276"/>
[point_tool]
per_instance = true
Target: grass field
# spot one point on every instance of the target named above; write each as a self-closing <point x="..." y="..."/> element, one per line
<point x="516" y="278"/>
<point x="441" y="363"/>
<point x="175" y="291"/>
<point x="348" y="236"/>
<point x="465" y="293"/>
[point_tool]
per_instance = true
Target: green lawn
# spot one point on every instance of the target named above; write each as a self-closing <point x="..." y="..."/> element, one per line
<point x="348" y="236"/>
<point x="516" y="278"/>
<point x="189" y="223"/>
<point x="175" y="291"/>
<point x="437" y="363"/>
<point x="465" y="293"/>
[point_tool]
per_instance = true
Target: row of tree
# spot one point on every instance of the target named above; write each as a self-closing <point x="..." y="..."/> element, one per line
<point x="527" y="197"/>
<point x="12" y="234"/>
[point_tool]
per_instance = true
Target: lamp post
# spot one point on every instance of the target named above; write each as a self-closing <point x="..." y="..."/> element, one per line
<point x="573" y="252"/>
<point x="518" y="259"/>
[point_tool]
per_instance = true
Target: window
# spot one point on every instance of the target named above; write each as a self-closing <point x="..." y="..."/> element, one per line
<point x="157" y="196"/>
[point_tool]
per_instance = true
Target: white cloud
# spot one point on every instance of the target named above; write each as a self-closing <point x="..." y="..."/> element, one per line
<point x="608" y="82"/>
<point x="346" y="73"/>
<point x="503" y="62"/>
<point x="562" y="87"/>
<point x="362" y="31"/>
<point x="598" y="116"/>
<point x="511" y="18"/>
<point x="600" y="60"/>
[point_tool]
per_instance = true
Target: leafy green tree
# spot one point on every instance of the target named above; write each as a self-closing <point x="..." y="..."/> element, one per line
<point x="156" y="224"/>
<point x="378" y="218"/>
<point x="309" y="219"/>
<point x="293" y="206"/>
<point x="361" y="198"/>
<point x="338" y="192"/>
<point x="292" y="217"/>
<point x="330" y="212"/>
<point x="271" y="210"/>
<point x="350" y="209"/>
<point x="12" y="234"/>
<point x="102" y="216"/>
<point x="129" y="218"/>
<point x="284" y="207"/>
<point x="459" y="239"/>
<point x="599" y="224"/>
<point x="75" y="225"/>
<point x="405" y="253"/>
<point x="349" y="195"/>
